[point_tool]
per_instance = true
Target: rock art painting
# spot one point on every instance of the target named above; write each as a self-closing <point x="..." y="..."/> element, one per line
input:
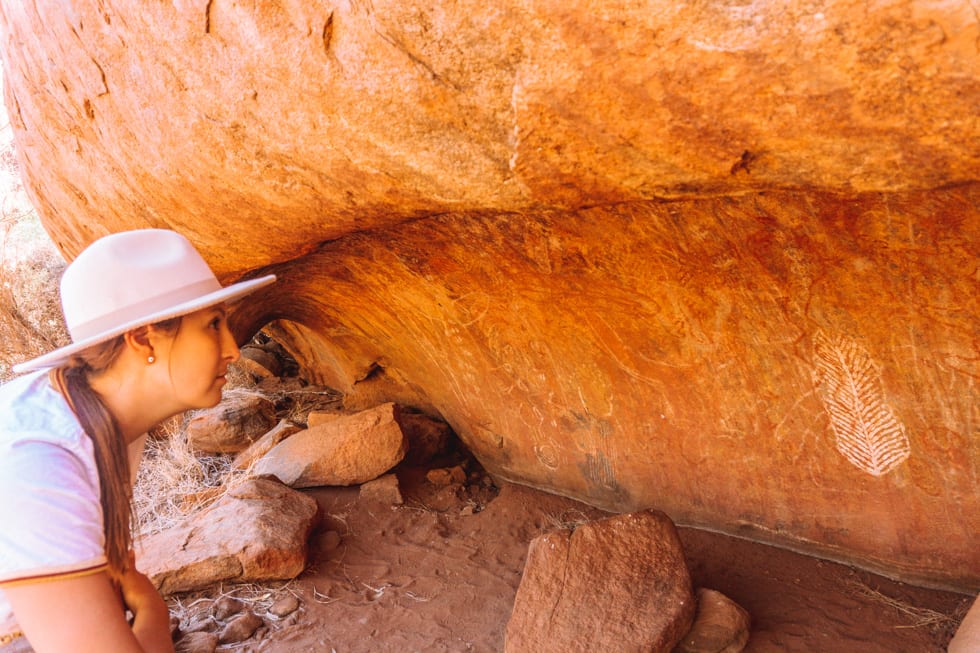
<point x="868" y="433"/>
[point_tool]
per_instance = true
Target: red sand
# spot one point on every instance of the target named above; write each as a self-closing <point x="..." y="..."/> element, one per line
<point x="430" y="576"/>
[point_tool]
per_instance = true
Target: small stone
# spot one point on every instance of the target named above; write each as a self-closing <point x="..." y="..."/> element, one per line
<point x="329" y="541"/>
<point x="383" y="490"/>
<point x="446" y="476"/>
<point x="466" y="510"/>
<point x="199" y="623"/>
<point x="197" y="642"/>
<point x="720" y="626"/>
<point x="225" y="607"/>
<point x="284" y="606"/>
<point x="240" y="628"/>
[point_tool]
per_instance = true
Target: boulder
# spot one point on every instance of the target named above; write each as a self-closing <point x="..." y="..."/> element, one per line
<point x="629" y="571"/>
<point x="313" y="121"/>
<point x="231" y="426"/>
<point x="263" y="445"/>
<point x="257" y="532"/>
<point x="427" y="437"/>
<point x="720" y="626"/>
<point x="349" y="450"/>
<point x="630" y="251"/>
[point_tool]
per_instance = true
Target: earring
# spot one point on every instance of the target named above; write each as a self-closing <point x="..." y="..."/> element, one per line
<point x="149" y="360"/>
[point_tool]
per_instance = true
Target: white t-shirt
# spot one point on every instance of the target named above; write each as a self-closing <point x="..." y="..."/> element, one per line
<point x="50" y="515"/>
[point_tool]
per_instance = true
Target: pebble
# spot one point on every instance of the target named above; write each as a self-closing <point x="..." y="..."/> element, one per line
<point x="198" y="623"/>
<point x="284" y="606"/>
<point x="240" y="628"/>
<point x="329" y="541"/>
<point x="446" y="476"/>
<point x="226" y="607"/>
<point x="199" y="642"/>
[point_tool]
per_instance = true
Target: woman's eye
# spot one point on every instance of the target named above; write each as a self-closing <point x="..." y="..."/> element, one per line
<point x="215" y="323"/>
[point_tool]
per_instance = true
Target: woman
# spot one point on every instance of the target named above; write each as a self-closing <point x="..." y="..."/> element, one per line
<point x="150" y="340"/>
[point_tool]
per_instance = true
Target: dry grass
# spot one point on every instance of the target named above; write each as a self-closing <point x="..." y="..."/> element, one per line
<point x="944" y="624"/>
<point x="173" y="482"/>
<point x="567" y="520"/>
<point x="31" y="322"/>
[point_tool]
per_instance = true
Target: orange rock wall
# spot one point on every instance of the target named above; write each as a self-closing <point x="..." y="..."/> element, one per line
<point x="714" y="258"/>
<point x="796" y="368"/>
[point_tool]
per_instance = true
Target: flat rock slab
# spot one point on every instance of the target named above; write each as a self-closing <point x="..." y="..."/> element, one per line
<point x="620" y="584"/>
<point x="348" y="450"/>
<point x="257" y="531"/>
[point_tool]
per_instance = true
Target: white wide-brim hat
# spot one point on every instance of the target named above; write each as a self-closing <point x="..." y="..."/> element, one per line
<point x="131" y="279"/>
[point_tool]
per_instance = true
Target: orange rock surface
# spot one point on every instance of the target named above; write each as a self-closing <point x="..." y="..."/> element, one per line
<point x="719" y="259"/>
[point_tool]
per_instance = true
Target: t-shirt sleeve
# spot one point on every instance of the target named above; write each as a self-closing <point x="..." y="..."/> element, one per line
<point x="50" y="515"/>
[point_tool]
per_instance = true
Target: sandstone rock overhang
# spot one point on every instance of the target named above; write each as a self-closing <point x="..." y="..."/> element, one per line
<point x="718" y="259"/>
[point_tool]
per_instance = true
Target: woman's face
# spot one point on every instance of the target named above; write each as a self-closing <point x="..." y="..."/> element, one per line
<point x="198" y="358"/>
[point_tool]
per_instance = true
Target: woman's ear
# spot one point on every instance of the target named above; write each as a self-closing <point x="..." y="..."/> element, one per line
<point x="138" y="340"/>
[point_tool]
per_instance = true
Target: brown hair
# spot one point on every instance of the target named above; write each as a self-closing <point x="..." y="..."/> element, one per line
<point x="111" y="455"/>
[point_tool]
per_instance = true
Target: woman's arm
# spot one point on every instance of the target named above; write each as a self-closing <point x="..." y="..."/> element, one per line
<point x="85" y="615"/>
<point x="151" y="618"/>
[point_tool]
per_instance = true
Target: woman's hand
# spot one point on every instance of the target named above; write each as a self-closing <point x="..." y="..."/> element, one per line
<point x="84" y="614"/>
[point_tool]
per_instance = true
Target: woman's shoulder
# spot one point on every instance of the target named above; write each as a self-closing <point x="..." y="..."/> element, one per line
<point x="31" y="407"/>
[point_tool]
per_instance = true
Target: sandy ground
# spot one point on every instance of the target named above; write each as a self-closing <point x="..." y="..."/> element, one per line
<point x="440" y="572"/>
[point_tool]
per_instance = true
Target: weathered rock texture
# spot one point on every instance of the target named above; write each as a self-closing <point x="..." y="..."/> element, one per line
<point x="717" y="258"/>
<point x="258" y="531"/>
<point x="349" y="450"/>
<point x="620" y="584"/>
<point x="233" y="425"/>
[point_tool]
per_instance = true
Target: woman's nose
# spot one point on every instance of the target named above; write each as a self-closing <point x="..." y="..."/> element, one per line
<point x="230" y="347"/>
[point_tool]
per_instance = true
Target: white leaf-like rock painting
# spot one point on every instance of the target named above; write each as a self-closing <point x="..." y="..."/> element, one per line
<point x="868" y="433"/>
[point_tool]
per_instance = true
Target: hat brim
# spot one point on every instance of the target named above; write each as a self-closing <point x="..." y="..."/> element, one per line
<point x="230" y="293"/>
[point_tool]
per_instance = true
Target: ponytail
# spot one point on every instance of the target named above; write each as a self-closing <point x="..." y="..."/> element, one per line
<point x="111" y="453"/>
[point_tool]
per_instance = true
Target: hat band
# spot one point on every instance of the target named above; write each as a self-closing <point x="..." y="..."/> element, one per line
<point x="145" y="308"/>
